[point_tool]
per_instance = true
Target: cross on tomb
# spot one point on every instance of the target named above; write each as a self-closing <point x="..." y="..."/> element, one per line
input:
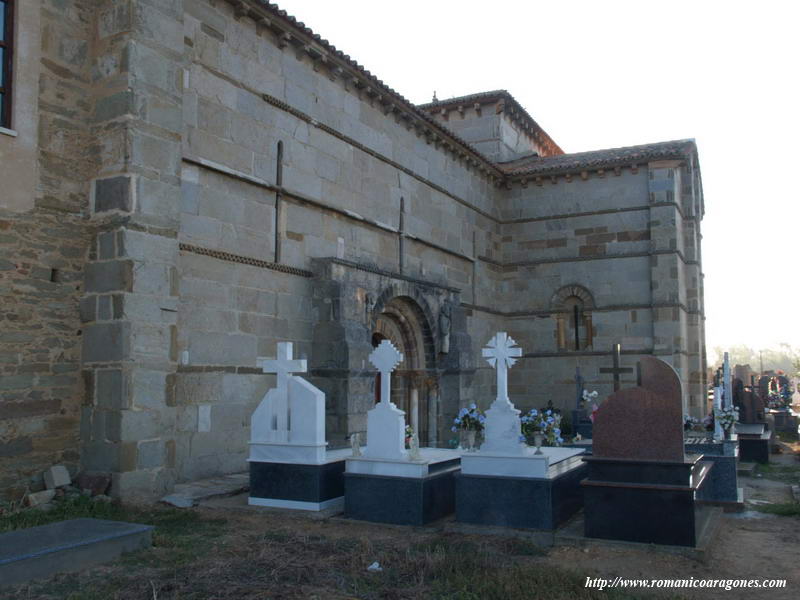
<point x="283" y="366"/>
<point x="502" y="352"/>
<point x="616" y="370"/>
<point x="385" y="358"/>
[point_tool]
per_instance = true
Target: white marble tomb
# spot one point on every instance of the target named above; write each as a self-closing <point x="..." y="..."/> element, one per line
<point x="502" y="452"/>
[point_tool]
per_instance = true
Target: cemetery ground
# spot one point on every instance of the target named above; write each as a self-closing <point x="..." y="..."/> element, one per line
<point x="227" y="550"/>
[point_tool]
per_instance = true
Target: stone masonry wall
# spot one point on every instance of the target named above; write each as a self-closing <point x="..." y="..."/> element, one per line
<point x="355" y="184"/>
<point x="42" y="254"/>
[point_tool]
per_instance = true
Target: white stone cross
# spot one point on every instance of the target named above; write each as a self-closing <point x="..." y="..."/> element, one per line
<point x="726" y="383"/>
<point x="284" y="366"/>
<point x="385" y="358"/>
<point x="502" y="352"/>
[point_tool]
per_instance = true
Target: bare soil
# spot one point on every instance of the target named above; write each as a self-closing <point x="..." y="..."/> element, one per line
<point x="226" y="550"/>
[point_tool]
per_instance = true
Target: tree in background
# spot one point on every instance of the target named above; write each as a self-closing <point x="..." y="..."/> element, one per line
<point x="783" y="358"/>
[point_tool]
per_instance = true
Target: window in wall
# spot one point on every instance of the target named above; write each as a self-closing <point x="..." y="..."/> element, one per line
<point x="572" y="307"/>
<point x="6" y="57"/>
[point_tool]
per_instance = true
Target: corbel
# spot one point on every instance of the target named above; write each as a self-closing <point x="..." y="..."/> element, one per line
<point x="524" y="182"/>
<point x="584" y="175"/>
<point x="538" y="181"/>
<point x="241" y="9"/>
<point x="617" y="171"/>
<point x="284" y="39"/>
<point x="263" y="24"/>
<point x="335" y="72"/>
<point x="554" y="179"/>
<point x="568" y="177"/>
<point x="477" y="107"/>
<point x="601" y="173"/>
<point x="634" y="169"/>
<point x="461" y="110"/>
<point x="352" y="84"/>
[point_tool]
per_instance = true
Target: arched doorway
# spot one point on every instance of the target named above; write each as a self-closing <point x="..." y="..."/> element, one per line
<point x="414" y="388"/>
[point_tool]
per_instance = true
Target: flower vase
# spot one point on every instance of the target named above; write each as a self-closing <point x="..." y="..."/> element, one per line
<point x="538" y="438"/>
<point x="471" y="440"/>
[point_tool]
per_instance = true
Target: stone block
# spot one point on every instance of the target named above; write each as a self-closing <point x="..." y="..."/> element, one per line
<point x="148" y="389"/>
<point x="109" y="276"/>
<point x="96" y="483"/>
<point x="113" y="106"/>
<point x="105" y="309"/>
<point x="40" y="498"/>
<point x="106" y="342"/>
<point x="222" y="349"/>
<point x="105" y="245"/>
<point x="150" y="454"/>
<point x="16" y="447"/>
<point x="113" y="193"/>
<point x="111" y="392"/>
<point x="56" y="476"/>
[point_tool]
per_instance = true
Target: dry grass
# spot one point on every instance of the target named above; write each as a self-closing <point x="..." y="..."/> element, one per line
<point x="197" y="554"/>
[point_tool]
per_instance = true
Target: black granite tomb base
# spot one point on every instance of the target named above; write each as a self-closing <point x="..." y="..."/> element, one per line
<point x="722" y="484"/>
<point x="400" y="500"/>
<point x="644" y="501"/>
<point x="304" y="486"/>
<point x="754" y="448"/>
<point x="519" y="502"/>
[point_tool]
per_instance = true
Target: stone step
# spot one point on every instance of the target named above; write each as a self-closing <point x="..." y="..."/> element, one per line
<point x="39" y="552"/>
<point x="186" y="495"/>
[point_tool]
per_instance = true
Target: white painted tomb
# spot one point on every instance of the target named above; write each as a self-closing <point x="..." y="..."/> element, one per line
<point x="502" y="453"/>
<point x="385" y="452"/>
<point x="505" y="483"/>
<point x="288" y="428"/>
<point x="387" y="483"/>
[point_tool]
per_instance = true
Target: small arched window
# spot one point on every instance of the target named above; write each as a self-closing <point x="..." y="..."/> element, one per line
<point x="572" y="308"/>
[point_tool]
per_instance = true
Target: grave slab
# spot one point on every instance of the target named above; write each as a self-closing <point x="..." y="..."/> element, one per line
<point x="722" y="485"/>
<point x="507" y="483"/>
<point x="641" y="485"/>
<point x="39" y="552"/>
<point x="388" y="484"/>
<point x="290" y="465"/>
<point x="402" y="492"/>
<point x="317" y="486"/>
<point x="754" y="440"/>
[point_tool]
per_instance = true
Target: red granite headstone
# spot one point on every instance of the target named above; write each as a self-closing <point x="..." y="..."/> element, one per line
<point x="643" y="423"/>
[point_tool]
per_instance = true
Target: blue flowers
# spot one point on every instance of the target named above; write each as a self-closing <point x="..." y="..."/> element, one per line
<point x="546" y="422"/>
<point x="468" y="419"/>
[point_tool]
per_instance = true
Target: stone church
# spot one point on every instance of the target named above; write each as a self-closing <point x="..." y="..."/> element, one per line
<point x="186" y="183"/>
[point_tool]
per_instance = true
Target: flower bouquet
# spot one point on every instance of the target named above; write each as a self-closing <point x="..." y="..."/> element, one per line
<point x="545" y="423"/>
<point x="689" y="422"/>
<point x="409" y="435"/>
<point x="727" y="417"/>
<point x="471" y="421"/>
